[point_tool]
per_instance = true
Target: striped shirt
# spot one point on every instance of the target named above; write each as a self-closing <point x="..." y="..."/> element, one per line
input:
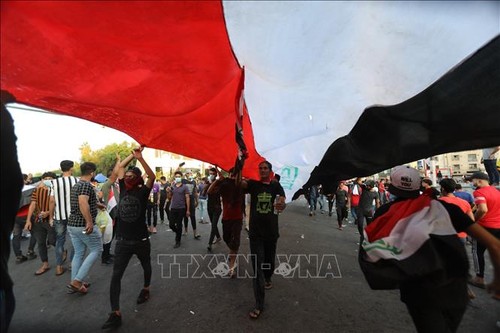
<point x="41" y="197"/>
<point x="61" y="190"/>
<point x="76" y="218"/>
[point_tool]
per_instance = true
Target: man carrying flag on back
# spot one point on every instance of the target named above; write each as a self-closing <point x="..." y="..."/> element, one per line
<point x="412" y="244"/>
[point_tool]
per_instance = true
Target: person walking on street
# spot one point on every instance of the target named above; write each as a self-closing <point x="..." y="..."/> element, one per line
<point x="39" y="219"/>
<point x="179" y="207"/>
<point x="487" y="215"/>
<point x="267" y="201"/>
<point x="60" y="202"/>
<point x="214" y="209"/>
<point x="132" y="234"/>
<point x="84" y="233"/>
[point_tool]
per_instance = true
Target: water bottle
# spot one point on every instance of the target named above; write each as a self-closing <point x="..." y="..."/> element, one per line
<point x="276" y="200"/>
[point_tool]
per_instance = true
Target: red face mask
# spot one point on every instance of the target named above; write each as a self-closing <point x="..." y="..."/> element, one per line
<point x="131" y="183"/>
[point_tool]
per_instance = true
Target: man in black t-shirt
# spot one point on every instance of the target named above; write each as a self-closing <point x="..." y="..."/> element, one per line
<point x="365" y="208"/>
<point x="340" y="204"/>
<point x="412" y="244"/>
<point x="263" y="234"/>
<point x="132" y="236"/>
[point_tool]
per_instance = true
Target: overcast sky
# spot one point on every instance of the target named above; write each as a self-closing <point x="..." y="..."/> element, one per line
<point x="45" y="139"/>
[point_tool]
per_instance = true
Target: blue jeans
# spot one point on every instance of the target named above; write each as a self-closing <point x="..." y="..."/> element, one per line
<point x="61" y="228"/>
<point x="93" y="242"/>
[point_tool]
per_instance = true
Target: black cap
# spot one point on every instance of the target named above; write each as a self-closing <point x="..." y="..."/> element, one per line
<point x="480" y="175"/>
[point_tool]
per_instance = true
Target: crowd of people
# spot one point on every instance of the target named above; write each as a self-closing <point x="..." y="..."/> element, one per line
<point x="134" y="201"/>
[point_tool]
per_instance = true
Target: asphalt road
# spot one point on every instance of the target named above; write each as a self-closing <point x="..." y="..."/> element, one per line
<point x="187" y="300"/>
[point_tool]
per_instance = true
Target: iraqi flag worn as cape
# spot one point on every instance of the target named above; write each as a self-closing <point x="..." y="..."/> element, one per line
<point x="413" y="239"/>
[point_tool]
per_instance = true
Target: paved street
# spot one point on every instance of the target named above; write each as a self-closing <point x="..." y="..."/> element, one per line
<point x="297" y="304"/>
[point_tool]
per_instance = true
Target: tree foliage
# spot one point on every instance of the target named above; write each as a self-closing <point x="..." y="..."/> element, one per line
<point x="105" y="158"/>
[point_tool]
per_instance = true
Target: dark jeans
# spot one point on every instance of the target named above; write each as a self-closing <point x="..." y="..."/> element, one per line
<point x="214" y="215"/>
<point x="432" y="319"/>
<point x="151" y="210"/>
<point x="124" y="250"/>
<point x="341" y="214"/>
<point x="361" y="218"/>
<point x="167" y="209"/>
<point x="478" y="252"/>
<point x="491" y="169"/>
<point x="44" y="234"/>
<point x="162" y="211"/>
<point x="176" y="216"/>
<point x="16" y="237"/>
<point x="192" y="216"/>
<point x="263" y="256"/>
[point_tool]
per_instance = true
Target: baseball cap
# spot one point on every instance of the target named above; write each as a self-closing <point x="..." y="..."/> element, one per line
<point x="100" y="178"/>
<point x="480" y="175"/>
<point x="405" y="182"/>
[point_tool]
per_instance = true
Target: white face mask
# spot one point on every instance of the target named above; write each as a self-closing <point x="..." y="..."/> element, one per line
<point x="178" y="179"/>
<point x="47" y="183"/>
<point x="211" y="178"/>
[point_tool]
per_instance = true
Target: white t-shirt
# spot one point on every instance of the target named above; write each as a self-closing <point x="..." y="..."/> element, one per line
<point x="487" y="153"/>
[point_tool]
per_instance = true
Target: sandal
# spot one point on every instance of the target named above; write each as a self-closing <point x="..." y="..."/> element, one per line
<point x="42" y="270"/>
<point x="255" y="313"/>
<point x="475" y="283"/>
<point x="72" y="291"/>
<point x="82" y="289"/>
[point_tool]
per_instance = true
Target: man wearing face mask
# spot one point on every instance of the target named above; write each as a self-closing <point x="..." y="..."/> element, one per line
<point x="39" y="215"/>
<point x="179" y="206"/>
<point x="190" y="183"/>
<point x="132" y="236"/>
<point x="214" y="209"/>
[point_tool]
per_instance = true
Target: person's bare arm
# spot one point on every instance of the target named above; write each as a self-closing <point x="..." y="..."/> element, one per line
<point x="188" y="205"/>
<point x="151" y="175"/>
<point x="31" y="209"/>
<point x="83" y="203"/>
<point x="481" y="210"/>
<point x="123" y="164"/>
<point x="116" y="170"/>
<point x="52" y="206"/>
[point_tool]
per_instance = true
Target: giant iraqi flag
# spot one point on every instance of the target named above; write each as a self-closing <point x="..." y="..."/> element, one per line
<point x="295" y="76"/>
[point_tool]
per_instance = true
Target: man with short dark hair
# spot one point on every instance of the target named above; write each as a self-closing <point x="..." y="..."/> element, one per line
<point x="190" y="183"/>
<point x="214" y="209"/>
<point x="487" y="215"/>
<point x="179" y="206"/>
<point x="460" y="193"/>
<point x="428" y="189"/>
<point x="39" y="218"/>
<point x="364" y="210"/>
<point x="61" y="205"/>
<point x="85" y="235"/>
<point x="267" y="201"/>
